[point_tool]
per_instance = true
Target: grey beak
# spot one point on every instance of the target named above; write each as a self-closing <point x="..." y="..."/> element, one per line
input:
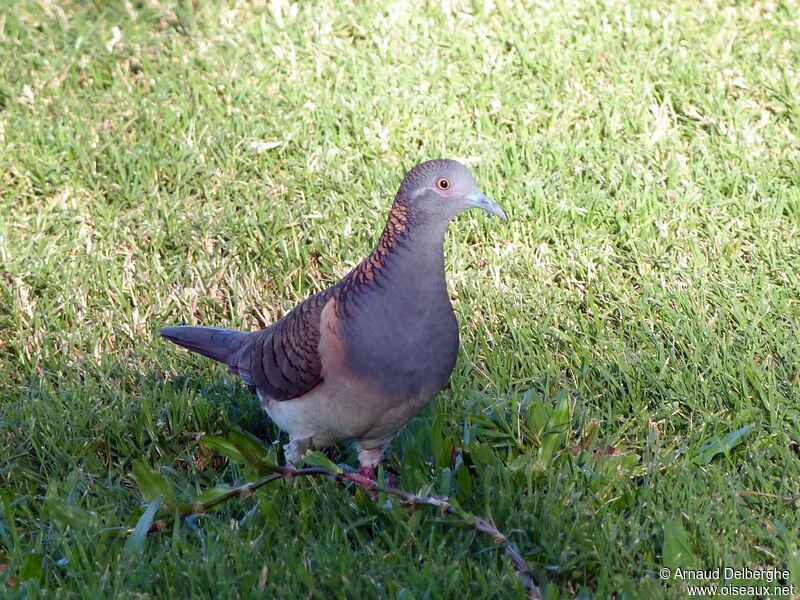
<point x="478" y="200"/>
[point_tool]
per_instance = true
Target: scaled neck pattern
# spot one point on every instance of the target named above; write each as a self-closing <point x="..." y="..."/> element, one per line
<point x="410" y="248"/>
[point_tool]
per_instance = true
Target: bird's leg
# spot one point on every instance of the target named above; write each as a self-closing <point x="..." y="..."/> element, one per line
<point x="368" y="458"/>
<point x="294" y="451"/>
<point x="367" y="472"/>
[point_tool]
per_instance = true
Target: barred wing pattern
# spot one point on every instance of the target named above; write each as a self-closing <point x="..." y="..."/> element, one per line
<point x="283" y="361"/>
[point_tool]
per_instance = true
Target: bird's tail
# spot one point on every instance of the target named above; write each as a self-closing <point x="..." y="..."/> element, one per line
<point x="214" y="342"/>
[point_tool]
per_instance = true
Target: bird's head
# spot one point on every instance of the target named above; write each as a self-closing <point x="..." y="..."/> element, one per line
<point x="443" y="188"/>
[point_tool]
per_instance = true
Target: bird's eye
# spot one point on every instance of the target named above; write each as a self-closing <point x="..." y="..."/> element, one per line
<point x="443" y="184"/>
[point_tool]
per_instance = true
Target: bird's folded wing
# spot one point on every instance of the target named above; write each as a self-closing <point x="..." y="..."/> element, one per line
<point x="283" y="360"/>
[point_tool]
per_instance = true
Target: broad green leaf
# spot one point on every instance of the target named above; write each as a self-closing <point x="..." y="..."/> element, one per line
<point x="611" y="467"/>
<point x="464" y="479"/>
<point x="555" y="435"/>
<point x="677" y="551"/>
<point x="252" y="449"/>
<point x="723" y="444"/>
<point x="224" y="446"/>
<point x="152" y="484"/>
<point x="212" y="494"/>
<point x="536" y="418"/>
<point x="318" y="459"/>
<point x="32" y="568"/>
<point x="523" y="461"/>
<point x="135" y="543"/>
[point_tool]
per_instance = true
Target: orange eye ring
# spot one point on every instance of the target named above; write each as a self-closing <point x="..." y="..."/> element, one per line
<point x="443" y="183"/>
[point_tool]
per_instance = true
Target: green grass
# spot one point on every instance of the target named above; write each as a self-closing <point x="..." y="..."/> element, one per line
<point x="216" y="164"/>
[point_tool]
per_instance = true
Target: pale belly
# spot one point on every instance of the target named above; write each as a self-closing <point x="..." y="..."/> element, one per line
<point x="337" y="411"/>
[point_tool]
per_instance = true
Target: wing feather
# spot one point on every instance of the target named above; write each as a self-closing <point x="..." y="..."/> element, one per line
<point x="283" y="360"/>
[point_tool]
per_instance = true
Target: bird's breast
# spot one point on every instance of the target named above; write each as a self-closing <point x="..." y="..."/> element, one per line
<point x="409" y="341"/>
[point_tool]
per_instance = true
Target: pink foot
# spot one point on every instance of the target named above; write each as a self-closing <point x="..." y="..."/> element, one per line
<point x="366" y="479"/>
<point x="368" y="472"/>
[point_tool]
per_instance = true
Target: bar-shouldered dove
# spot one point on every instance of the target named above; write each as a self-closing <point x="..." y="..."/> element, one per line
<point x="358" y="360"/>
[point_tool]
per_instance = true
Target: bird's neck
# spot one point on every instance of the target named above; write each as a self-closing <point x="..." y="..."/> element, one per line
<point x="410" y="249"/>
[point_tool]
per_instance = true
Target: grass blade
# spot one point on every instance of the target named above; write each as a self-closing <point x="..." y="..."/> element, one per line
<point x="135" y="543"/>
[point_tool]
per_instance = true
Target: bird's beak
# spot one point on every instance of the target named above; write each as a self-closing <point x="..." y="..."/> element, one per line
<point x="478" y="200"/>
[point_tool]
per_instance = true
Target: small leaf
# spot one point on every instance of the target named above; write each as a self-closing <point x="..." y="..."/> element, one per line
<point x="152" y="484"/>
<point x="223" y="446"/>
<point x="723" y="444"/>
<point x="112" y="532"/>
<point x="212" y="494"/>
<point x="135" y="543"/>
<point x="32" y="568"/>
<point x="318" y="459"/>
<point x="252" y="449"/>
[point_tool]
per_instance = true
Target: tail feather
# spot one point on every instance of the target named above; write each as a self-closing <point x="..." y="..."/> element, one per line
<point x="214" y="342"/>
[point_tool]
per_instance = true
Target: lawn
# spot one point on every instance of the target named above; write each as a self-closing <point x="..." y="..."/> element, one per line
<point x="626" y="398"/>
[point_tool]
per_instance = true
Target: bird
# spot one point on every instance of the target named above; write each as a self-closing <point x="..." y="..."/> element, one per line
<point x="358" y="360"/>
